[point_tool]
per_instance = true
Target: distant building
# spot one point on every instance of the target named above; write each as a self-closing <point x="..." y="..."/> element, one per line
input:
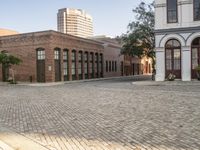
<point x="177" y="29"/>
<point x="4" y="32"/>
<point x="117" y="64"/>
<point x="74" y="22"/>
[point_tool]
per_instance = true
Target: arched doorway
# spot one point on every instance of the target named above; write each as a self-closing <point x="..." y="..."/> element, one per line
<point x="195" y="55"/>
<point x="173" y="58"/>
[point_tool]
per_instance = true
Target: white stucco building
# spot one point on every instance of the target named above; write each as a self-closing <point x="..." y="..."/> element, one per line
<point x="177" y="29"/>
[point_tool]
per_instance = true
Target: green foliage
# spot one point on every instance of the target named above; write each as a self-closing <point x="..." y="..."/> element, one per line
<point x="140" y="39"/>
<point x="9" y="60"/>
<point x="197" y="68"/>
<point x="198" y="72"/>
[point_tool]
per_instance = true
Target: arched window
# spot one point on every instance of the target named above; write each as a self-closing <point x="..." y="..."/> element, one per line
<point x="172" y="13"/>
<point x="195" y="55"/>
<point x="196" y="11"/>
<point x="173" y="58"/>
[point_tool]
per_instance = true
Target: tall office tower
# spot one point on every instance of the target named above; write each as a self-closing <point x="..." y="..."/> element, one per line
<point x="75" y="22"/>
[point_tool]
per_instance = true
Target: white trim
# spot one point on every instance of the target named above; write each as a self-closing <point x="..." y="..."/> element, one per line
<point x="172" y="36"/>
<point x="191" y="38"/>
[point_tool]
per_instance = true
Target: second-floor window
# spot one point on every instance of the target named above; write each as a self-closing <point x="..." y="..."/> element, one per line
<point x="196" y="10"/>
<point x="172" y="13"/>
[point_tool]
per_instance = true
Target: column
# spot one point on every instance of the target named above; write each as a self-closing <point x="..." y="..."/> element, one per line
<point x="186" y="64"/>
<point x="160" y="64"/>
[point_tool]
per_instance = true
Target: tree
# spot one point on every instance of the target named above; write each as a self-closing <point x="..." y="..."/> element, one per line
<point x="140" y="39"/>
<point x="7" y="61"/>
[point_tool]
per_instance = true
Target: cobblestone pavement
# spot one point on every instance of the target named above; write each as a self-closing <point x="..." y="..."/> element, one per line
<point x="105" y="115"/>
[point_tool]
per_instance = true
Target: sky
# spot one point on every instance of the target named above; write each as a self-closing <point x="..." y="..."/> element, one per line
<point x="110" y="17"/>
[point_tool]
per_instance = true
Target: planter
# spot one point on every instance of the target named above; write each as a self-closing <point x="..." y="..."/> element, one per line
<point x="171" y="77"/>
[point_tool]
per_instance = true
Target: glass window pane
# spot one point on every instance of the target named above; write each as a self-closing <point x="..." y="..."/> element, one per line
<point x="172" y="11"/>
<point x="194" y="58"/>
<point x="196" y="42"/>
<point x="168" y="54"/>
<point x="169" y="64"/>
<point x="40" y="54"/>
<point x="176" y="43"/>
<point x="196" y="10"/>
<point x="173" y="43"/>
<point x="177" y="54"/>
<point x="86" y="56"/>
<point x="194" y="53"/>
<point x="79" y="56"/>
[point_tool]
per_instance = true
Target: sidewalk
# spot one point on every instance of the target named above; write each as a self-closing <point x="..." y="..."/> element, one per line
<point x="169" y="83"/>
<point x="10" y="140"/>
<point x="82" y="81"/>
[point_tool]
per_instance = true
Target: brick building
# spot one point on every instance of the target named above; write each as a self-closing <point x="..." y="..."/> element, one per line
<point x="113" y="60"/>
<point x="50" y="56"/>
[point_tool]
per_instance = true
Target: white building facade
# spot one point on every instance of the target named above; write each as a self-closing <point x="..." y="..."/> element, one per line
<point x="177" y="32"/>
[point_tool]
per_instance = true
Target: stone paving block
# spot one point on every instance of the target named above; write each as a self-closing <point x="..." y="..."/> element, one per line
<point x="105" y="115"/>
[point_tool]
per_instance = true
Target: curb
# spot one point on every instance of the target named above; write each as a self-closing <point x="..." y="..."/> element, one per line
<point x="10" y="140"/>
<point x="4" y="146"/>
<point x="81" y="81"/>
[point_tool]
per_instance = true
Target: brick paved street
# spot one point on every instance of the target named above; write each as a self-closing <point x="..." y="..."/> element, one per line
<point x="105" y="115"/>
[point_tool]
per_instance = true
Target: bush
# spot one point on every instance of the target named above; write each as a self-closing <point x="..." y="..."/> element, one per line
<point x="198" y="72"/>
<point x="171" y="77"/>
<point x="11" y="81"/>
<point x="197" y="68"/>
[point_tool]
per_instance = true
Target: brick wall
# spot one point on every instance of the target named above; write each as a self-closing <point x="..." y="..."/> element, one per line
<point x="24" y="46"/>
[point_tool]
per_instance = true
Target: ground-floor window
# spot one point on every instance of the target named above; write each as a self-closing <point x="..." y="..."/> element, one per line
<point x="106" y="66"/>
<point x="173" y="58"/>
<point x="80" y="68"/>
<point x="40" y="52"/>
<point x="86" y="65"/>
<point x="96" y="65"/>
<point x="101" y="65"/>
<point x="91" y="65"/>
<point x="195" y="52"/>
<point x="73" y="65"/>
<point x="65" y="65"/>
<point x="115" y="66"/>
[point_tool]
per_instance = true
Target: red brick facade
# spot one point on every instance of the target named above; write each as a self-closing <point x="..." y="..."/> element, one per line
<point x="25" y="47"/>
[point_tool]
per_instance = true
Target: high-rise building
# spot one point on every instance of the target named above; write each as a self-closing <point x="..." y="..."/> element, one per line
<point x="74" y="22"/>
